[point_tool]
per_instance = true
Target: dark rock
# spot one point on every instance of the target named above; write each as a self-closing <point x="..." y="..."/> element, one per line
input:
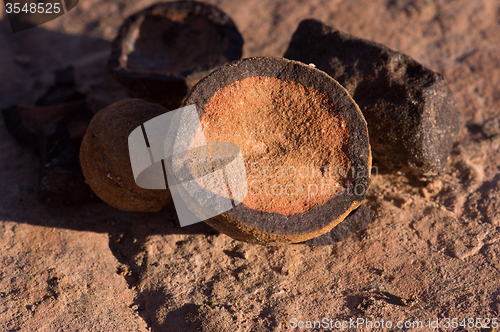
<point x="28" y="123"/>
<point x="61" y="181"/>
<point x="55" y="127"/>
<point x="16" y="126"/>
<point x="63" y="90"/>
<point x="357" y="220"/>
<point x="162" y="51"/>
<point x="491" y="128"/>
<point x="411" y="114"/>
<point x="62" y="100"/>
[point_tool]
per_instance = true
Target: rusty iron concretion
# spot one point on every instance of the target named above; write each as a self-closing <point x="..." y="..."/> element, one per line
<point x="285" y="115"/>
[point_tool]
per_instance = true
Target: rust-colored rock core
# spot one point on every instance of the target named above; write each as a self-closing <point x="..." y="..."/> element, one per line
<point x="295" y="144"/>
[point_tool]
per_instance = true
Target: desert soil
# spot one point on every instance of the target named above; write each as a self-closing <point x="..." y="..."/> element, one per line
<point x="432" y="250"/>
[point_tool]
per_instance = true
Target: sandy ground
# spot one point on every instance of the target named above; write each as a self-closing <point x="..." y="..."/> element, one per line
<point x="431" y="252"/>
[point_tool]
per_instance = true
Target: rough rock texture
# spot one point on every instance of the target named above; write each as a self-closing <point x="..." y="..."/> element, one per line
<point x="27" y="124"/>
<point x="412" y="116"/>
<point x="292" y="138"/>
<point x="267" y="119"/>
<point x="55" y="127"/>
<point x="162" y="51"/>
<point x="433" y="245"/>
<point x="356" y="221"/>
<point x="105" y="159"/>
<point x="61" y="181"/>
<point x="39" y="293"/>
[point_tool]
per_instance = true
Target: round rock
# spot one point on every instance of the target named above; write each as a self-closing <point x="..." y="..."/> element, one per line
<point x="105" y="161"/>
<point x="304" y="143"/>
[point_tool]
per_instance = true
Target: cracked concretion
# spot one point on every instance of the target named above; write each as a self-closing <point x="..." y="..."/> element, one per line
<point x="260" y="226"/>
